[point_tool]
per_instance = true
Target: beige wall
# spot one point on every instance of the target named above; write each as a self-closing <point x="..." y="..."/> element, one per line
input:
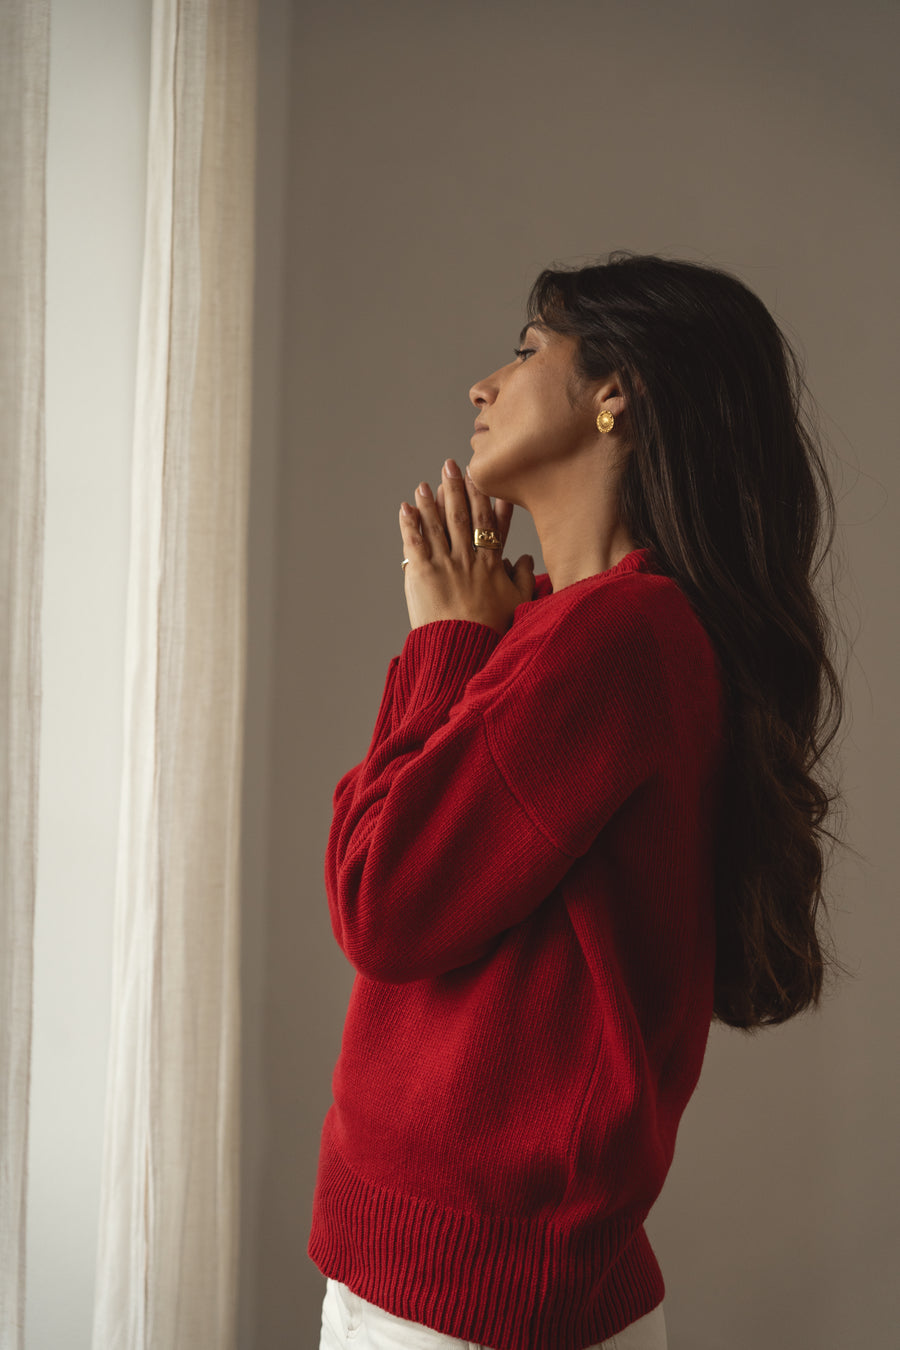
<point x="439" y="156"/>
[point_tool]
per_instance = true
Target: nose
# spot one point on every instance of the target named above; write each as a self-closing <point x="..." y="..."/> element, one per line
<point x="480" y="394"/>
<point x="485" y="391"/>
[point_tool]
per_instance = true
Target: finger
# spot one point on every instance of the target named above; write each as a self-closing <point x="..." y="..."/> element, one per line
<point x="458" y="513"/>
<point x="430" y="520"/>
<point x="414" y="546"/>
<point x="441" y="505"/>
<point x="483" y="517"/>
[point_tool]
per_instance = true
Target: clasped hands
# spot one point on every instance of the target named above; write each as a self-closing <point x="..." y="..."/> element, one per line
<point x="447" y="577"/>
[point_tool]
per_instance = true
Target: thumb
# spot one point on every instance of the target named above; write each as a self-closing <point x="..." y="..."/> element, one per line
<point x="523" y="575"/>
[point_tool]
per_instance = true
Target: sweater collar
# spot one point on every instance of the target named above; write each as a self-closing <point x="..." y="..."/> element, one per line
<point x="638" y="560"/>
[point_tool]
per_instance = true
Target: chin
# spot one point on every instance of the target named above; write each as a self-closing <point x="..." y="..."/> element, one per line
<point x="479" y="471"/>
<point x="482" y="477"/>
<point x="482" y="484"/>
<point x="494" y="490"/>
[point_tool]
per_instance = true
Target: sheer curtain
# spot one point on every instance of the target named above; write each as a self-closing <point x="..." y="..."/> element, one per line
<point x="24" y="73"/>
<point x="168" y="1250"/>
<point x="166" y="1272"/>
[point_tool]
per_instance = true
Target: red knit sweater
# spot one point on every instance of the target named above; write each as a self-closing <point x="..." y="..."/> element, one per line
<point x="520" y="871"/>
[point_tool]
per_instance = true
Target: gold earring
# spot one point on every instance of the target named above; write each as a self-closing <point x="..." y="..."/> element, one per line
<point x="605" y="421"/>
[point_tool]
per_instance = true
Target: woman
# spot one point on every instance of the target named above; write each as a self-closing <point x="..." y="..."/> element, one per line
<point x="586" y="824"/>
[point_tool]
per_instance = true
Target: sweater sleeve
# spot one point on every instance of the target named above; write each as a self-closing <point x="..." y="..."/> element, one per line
<point x="475" y="798"/>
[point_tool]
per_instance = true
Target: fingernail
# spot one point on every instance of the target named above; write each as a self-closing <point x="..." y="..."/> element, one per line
<point x="452" y="468"/>
<point x="424" y="489"/>
<point x="407" y="510"/>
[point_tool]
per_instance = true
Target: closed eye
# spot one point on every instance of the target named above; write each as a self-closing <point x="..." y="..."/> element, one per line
<point x="524" y="351"/>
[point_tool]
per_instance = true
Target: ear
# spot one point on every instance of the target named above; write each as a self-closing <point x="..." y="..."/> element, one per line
<point x="611" y="396"/>
<point x="610" y="402"/>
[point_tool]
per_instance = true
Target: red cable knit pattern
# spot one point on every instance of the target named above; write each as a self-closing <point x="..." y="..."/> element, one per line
<point x="520" y="871"/>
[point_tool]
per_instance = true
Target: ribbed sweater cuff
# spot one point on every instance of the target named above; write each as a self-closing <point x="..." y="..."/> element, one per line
<point x="439" y="658"/>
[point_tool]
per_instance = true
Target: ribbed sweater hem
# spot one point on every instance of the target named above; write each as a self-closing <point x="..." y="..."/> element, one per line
<point x="501" y="1282"/>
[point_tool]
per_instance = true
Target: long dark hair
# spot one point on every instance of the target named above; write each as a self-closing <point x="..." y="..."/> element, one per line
<point x="720" y="480"/>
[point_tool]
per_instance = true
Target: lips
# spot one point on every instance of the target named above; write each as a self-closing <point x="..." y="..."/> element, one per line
<point x="481" y="426"/>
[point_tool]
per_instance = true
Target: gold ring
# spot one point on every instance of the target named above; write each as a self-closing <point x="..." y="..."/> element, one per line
<point x="487" y="539"/>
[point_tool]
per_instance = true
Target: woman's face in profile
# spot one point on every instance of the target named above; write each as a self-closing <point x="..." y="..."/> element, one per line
<point x="531" y="424"/>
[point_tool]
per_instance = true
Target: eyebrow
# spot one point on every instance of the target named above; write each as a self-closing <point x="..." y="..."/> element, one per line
<point x="536" y="323"/>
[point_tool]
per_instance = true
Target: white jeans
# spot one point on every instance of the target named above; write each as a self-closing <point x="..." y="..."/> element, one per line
<point x="349" y="1321"/>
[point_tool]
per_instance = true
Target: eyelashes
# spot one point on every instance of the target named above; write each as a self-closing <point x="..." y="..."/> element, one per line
<point x="524" y="351"/>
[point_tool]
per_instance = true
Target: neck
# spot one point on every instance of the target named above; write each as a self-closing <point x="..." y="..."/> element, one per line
<point x="580" y="545"/>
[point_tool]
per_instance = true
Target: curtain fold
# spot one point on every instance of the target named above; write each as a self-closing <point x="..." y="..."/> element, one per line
<point x="24" y="76"/>
<point x="167" y="1262"/>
